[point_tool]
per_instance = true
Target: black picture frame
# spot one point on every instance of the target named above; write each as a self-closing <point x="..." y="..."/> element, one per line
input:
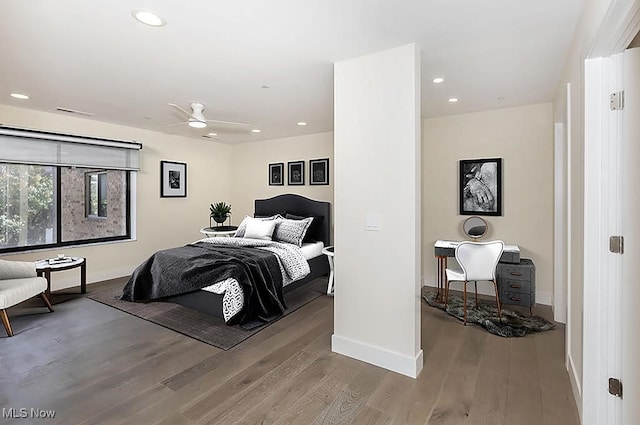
<point x="319" y="171"/>
<point x="276" y="174"/>
<point x="295" y="173"/>
<point x="173" y="179"/>
<point x="480" y="186"/>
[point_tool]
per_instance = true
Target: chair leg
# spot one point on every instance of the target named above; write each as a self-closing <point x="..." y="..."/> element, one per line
<point x="446" y="293"/>
<point x="465" y="303"/>
<point x="476" y="285"/>
<point x="46" y="301"/>
<point x="495" y="286"/>
<point x="5" y="322"/>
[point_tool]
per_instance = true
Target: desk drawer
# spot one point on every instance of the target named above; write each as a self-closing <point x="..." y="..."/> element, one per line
<point x="516" y="298"/>
<point x="522" y="271"/>
<point x="519" y="286"/>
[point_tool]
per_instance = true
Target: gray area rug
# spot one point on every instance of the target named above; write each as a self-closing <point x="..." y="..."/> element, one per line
<point x="201" y="326"/>
<point x="485" y="315"/>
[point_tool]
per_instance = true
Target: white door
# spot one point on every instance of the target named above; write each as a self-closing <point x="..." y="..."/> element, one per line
<point x="631" y="232"/>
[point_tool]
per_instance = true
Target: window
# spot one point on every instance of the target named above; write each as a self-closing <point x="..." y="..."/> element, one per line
<point x="46" y="206"/>
<point x="27" y="205"/>
<point x="61" y="189"/>
<point x="95" y="189"/>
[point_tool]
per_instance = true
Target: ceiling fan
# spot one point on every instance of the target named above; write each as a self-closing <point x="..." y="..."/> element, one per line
<point x="196" y="118"/>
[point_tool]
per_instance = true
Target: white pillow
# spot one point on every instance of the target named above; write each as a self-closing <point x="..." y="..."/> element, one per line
<point x="259" y="229"/>
<point x="243" y="225"/>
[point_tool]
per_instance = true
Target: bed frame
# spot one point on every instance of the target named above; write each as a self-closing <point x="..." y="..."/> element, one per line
<point x="210" y="303"/>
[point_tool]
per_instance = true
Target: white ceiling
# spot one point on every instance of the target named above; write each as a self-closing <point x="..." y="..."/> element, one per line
<point x="93" y="56"/>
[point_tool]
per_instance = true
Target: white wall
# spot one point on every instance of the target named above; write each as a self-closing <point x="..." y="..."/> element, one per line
<point x="523" y="138"/>
<point x="249" y="171"/>
<point x="161" y="222"/>
<point x="377" y="169"/>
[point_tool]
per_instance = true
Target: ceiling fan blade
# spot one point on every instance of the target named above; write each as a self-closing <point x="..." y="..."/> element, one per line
<point x="229" y="122"/>
<point x="173" y="125"/>
<point x="180" y="109"/>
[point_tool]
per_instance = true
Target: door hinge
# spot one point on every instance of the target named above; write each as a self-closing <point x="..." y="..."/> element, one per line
<point x="615" y="387"/>
<point x="616" y="100"/>
<point x="616" y="244"/>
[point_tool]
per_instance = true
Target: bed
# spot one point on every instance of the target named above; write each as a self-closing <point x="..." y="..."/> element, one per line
<point x="216" y="304"/>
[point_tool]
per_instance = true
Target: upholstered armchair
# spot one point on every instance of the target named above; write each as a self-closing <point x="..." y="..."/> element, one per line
<point x="18" y="283"/>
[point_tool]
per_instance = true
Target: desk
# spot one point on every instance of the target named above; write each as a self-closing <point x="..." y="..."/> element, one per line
<point x="443" y="249"/>
<point x="219" y="231"/>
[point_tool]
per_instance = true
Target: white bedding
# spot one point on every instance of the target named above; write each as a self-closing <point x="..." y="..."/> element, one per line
<point x="312" y="250"/>
<point x="291" y="258"/>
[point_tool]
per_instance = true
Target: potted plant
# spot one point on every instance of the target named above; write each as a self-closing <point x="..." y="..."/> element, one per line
<point x="219" y="211"/>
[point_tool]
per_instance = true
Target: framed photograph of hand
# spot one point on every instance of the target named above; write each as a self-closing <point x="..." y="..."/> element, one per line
<point x="481" y="186"/>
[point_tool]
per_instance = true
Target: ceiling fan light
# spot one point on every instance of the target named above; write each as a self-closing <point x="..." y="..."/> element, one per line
<point x="197" y="124"/>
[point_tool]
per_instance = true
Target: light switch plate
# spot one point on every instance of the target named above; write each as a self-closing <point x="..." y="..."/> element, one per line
<point x="373" y="222"/>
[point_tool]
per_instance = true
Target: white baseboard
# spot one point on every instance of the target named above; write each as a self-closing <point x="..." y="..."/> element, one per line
<point x="485" y="288"/>
<point x="575" y="385"/>
<point x="395" y="362"/>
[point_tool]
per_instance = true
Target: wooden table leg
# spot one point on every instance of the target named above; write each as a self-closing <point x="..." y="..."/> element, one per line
<point x="442" y="267"/>
<point x="83" y="277"/>
<point x="47" y="275"/>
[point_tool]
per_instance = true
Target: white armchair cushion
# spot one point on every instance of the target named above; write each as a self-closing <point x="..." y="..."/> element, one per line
<point x="14" y="291"/>
<point x="16" y="269"/>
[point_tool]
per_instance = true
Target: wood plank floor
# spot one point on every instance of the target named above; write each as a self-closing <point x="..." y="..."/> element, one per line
<point x="93" y="364"/>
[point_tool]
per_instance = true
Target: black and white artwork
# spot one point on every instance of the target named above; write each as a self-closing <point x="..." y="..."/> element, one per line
<point x="296" y="173"/>
<point x="173" y="179"/>
<point x="276" y="174"/>
<point x="319" y="171"/>
<point x="481" y="186"/>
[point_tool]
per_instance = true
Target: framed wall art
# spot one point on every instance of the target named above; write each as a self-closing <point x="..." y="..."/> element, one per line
<point x="481" y="186"/>
<point x="173" y="179"/>
<point x="319" y="171"/>
<point x="276" y="174"/>
<point x="295" y="173"/>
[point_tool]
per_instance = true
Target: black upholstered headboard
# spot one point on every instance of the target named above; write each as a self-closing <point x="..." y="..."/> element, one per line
<point x="300" y="206"/>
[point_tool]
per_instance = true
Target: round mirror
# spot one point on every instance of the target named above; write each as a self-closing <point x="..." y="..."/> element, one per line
<point x="475" y="227"/>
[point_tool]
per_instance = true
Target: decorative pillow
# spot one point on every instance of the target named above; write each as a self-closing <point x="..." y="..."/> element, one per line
<point x="243" y="225"/>
<point x="313" y="229"/>
<point x="291" y="231"/>
<point x="260" y="229"/>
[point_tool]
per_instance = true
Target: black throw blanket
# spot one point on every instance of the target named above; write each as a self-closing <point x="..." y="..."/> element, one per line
<point x="192" y="267"/>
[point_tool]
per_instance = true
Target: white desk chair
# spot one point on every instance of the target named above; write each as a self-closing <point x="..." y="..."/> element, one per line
<point x="478" y="261"/>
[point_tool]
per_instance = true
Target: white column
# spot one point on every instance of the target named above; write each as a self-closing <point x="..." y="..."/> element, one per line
<point x="377" y="209"/>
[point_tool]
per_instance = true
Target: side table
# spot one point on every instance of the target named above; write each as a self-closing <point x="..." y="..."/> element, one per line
<point x="219" y="231"/>
<point x="45" y="268"/>
<point x="328" y="251"/>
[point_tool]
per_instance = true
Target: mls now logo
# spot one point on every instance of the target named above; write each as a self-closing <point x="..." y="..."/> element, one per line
<point x="13" y="413"/>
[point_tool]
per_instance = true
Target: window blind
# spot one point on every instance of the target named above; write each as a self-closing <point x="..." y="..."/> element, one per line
<point x="24" y="146"/>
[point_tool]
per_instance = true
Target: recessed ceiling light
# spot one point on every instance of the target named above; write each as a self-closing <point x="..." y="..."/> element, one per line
<point x="500" y="98"/>
<point x="302" y="123"/>
<point x="264" y="86"/>
<point x="20" y="96"/>
<point x="255" y="130"/>
<point x="453" y="99"/>
<point x="438" y="80"/>
<point x="148" y="17"/>
<point x="213" y="134"/>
